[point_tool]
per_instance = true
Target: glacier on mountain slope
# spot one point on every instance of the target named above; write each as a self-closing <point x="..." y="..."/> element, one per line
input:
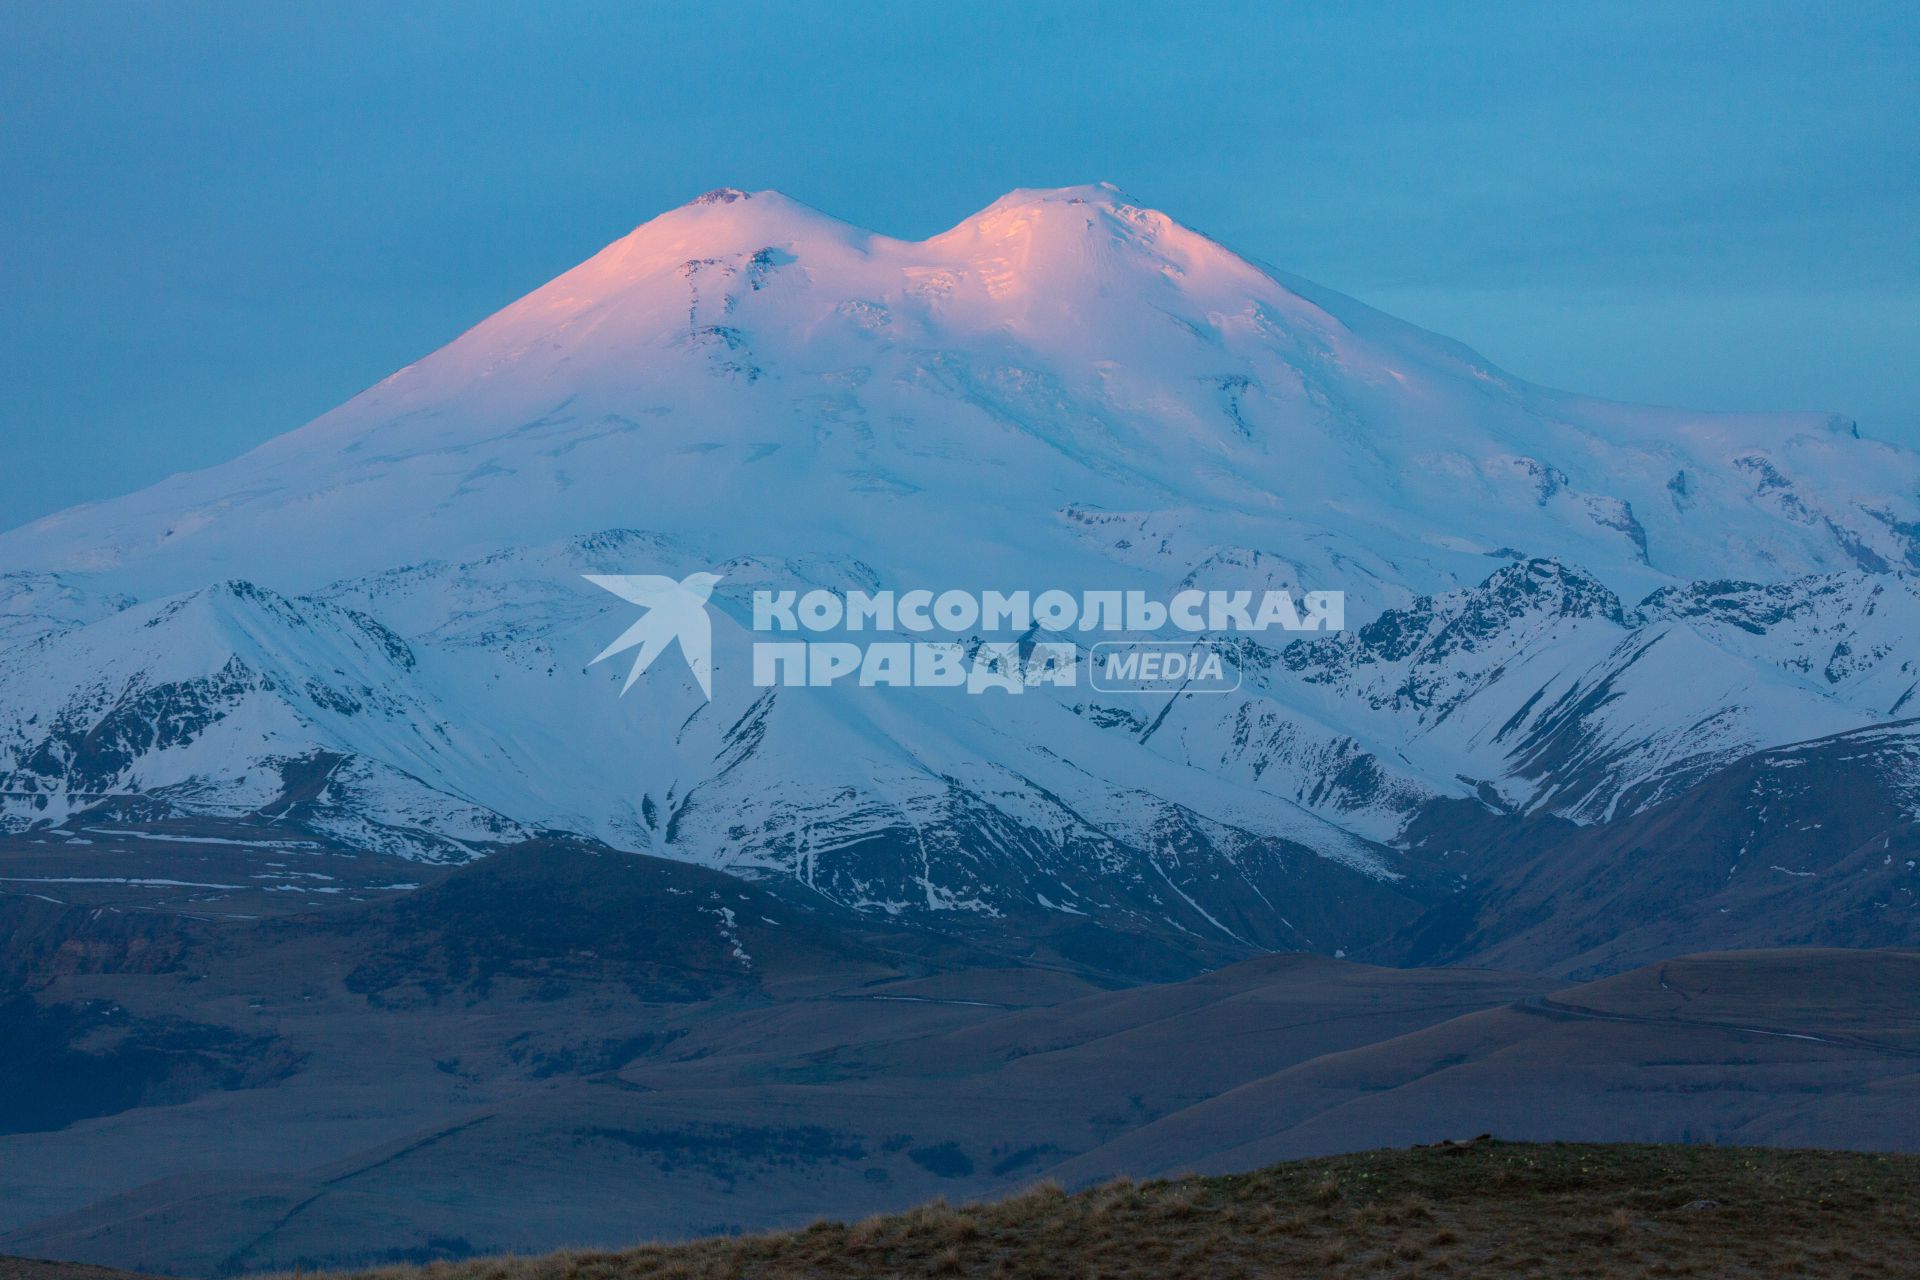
<point x="1066" y="390"/>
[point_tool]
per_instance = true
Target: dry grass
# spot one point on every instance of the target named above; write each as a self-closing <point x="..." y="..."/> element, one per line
<point x="1481" y="1209"/>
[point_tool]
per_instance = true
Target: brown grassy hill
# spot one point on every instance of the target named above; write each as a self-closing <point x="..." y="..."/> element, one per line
<point x="1475" y="1209"/>
<point x="34" y="1269"/>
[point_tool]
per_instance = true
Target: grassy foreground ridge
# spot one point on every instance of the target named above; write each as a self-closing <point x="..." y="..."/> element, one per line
<point x="1483" y="1208"/>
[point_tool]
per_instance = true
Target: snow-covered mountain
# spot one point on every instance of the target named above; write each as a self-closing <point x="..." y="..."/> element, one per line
<point x="745" y="372"/>
<point x="1559" y="604"/>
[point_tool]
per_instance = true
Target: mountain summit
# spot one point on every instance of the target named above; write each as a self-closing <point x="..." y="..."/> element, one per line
<point x="746" y="371"/>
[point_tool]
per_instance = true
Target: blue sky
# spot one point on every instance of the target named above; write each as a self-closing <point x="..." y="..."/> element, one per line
<point x="220" y="220"/>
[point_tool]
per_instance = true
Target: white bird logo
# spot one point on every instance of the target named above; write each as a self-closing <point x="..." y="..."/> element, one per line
<point x="675" y="611"/>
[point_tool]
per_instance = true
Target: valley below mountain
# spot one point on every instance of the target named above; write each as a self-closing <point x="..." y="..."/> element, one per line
<point x="564" y="1043"/>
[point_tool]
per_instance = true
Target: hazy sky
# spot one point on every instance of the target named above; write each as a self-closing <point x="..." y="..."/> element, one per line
<point x="217" y="221"/>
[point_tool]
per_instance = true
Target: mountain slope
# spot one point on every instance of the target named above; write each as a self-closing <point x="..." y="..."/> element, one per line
<point x="1813" y="844"/>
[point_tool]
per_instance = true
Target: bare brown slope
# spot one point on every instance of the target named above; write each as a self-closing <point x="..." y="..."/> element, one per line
<point x="1485" y="1208"/>
<point x="1777" y="1047"/>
